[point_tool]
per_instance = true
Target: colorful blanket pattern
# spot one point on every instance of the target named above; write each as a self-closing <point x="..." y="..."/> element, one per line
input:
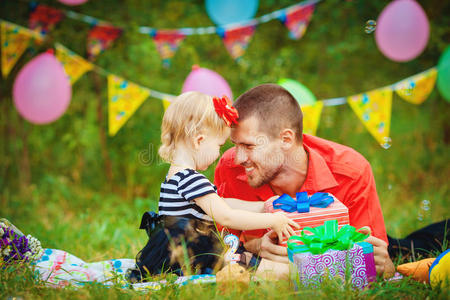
<point x="58" y="268"/>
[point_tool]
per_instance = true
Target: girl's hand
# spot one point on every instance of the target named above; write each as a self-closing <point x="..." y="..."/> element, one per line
<point x="283" y="225"/>
<point x="268" y="203"/>
<point x="273" y="198"/>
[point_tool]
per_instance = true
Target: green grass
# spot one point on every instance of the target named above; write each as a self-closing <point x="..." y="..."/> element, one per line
<point x="18" y="281"/>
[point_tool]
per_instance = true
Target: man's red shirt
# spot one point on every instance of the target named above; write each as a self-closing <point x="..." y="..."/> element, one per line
<point x="332" y="168"/>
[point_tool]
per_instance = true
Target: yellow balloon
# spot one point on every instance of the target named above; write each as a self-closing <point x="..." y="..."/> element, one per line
<point x="440" y="272"/>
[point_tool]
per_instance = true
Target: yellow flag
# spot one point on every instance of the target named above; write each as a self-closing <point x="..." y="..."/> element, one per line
<point x="15" y="40"/>
<point x="166" y="103"/>
<point x="74" y="65"/>
<point x="417" y="88"/>
<point x="374" y="110"/>
<point x="124" y="98"/>
<point x="311" y="117"/>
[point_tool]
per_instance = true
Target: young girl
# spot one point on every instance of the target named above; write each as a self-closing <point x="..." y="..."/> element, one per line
<point x="194" y="128"/>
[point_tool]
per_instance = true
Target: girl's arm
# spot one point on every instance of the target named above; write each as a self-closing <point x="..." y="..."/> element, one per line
<point x="215" y="207"/>
<point x="254" y="206"/>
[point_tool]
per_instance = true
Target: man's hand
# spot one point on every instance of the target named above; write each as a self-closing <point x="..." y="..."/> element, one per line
<point x="383" y="262"/>
<point x="266" y="247"/>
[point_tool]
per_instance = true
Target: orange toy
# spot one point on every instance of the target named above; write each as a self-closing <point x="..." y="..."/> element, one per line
<point x="418" y="270"/>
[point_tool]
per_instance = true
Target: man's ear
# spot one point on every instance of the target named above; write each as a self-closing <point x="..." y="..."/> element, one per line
<point x="287" y="137"/>
<point x="197" y="140"/>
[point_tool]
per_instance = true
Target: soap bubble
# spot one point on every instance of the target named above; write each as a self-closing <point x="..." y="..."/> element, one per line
<point x="371" y="25"/>
<point x="424" y="211"/>
<point x="425" y="205"/>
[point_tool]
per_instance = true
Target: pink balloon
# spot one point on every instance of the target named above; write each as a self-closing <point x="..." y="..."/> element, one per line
<point x="42" y="90"/>
<point x="402" y="30"/>
<point x="72" y="2"/>
<point x="206" y="81"/>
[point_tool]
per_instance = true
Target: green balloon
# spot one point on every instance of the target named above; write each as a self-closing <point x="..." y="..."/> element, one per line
<point x="443" y="80"/>
<point x="300" y="92"/>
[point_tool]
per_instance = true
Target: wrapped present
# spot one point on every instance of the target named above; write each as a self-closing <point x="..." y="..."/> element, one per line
<point x="310" y="211"/>
<point x="328" y="253"/>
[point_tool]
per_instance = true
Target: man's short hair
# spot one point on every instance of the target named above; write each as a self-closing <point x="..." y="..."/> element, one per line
<point x="274" y="107"/>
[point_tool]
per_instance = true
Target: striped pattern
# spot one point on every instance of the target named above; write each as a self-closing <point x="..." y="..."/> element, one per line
<point x="316" y="216"/>
<point x="179" y="192"/>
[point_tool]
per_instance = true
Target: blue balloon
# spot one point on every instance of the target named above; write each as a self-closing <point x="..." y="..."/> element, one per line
<point x="224" y="12"/>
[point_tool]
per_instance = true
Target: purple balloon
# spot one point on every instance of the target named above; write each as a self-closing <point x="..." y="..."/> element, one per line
<point x="402" y="30"/>
<point x="42" y="90"/>
<point x="206" y="81"/>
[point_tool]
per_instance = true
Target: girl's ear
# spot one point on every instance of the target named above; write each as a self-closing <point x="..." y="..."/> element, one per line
<point x="198" y="139"/>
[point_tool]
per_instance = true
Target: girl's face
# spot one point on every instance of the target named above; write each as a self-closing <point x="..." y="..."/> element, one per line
<point x="209" y="150"/>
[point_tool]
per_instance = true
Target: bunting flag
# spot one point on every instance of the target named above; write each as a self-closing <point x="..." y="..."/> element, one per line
<point x="296" y="20"/>
<point x="166" y="104"/>
<point x="236" y="40"/>
<point x="167" y="43"/>
<point x="44" y="18"/>
<point x="124" y="98"/>
<point x="74" y="65"/>
<point x="100" y="37"/>
<point x="374" y="110"/>
<point x="15" y="40"/>
<point x="417" y="88"/>
<point x="311" y="117"/>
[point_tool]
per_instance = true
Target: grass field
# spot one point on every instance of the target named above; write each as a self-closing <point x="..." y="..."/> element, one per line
<point x="16" y="282"/>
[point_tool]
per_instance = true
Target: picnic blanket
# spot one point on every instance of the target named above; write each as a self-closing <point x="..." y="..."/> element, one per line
<point x="58" y="268"/>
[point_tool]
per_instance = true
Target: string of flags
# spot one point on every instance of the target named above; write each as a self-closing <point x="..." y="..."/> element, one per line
<point x="373" y="108"/>
<point x="236" y="37"/>
<point x="15" y="40"/>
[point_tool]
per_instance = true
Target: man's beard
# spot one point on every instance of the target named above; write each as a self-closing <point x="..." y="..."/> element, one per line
<point x="265" y="178"/>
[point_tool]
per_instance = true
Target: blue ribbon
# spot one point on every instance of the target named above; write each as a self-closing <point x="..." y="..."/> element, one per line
<point x="302" y="202"/>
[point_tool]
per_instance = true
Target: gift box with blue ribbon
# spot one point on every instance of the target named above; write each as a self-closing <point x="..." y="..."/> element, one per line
<point x="329" y="252"/>
<point x="310" y="210"/>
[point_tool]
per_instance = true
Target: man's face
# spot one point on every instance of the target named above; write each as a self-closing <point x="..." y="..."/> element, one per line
<point x="257" y="152"/>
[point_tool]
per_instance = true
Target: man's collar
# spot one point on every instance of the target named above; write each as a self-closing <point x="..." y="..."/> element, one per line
<point x="319" y="176"/>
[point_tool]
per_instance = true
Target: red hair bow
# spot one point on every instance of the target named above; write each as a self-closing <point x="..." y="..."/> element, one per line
<point x="224" y="108"/>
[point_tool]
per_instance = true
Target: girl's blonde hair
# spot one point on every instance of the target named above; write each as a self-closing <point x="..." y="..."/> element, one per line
<point x="189" y="114"/>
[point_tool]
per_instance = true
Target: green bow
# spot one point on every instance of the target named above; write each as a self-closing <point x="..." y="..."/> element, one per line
<point x="326" y="237"/>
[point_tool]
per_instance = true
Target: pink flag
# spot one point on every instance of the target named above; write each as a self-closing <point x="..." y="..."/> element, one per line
<point x="101" y="37"/>
<point x="236" y="40"/>
<point x="43" y="18"/>
<point x="167" y="43"/>
<point x="297" y="20"/>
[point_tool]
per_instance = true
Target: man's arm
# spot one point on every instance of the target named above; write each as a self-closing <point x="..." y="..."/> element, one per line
<point x="364" y="206"/>
<point x="365" y="211"/>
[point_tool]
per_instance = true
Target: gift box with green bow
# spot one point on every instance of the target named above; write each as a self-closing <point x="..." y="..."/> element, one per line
<point x="329" y="252"/>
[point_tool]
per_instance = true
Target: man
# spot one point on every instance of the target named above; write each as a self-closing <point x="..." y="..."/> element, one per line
<point x="272" y="157"/>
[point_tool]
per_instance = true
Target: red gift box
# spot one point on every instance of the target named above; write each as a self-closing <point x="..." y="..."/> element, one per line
<point x="316" y="215"/>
